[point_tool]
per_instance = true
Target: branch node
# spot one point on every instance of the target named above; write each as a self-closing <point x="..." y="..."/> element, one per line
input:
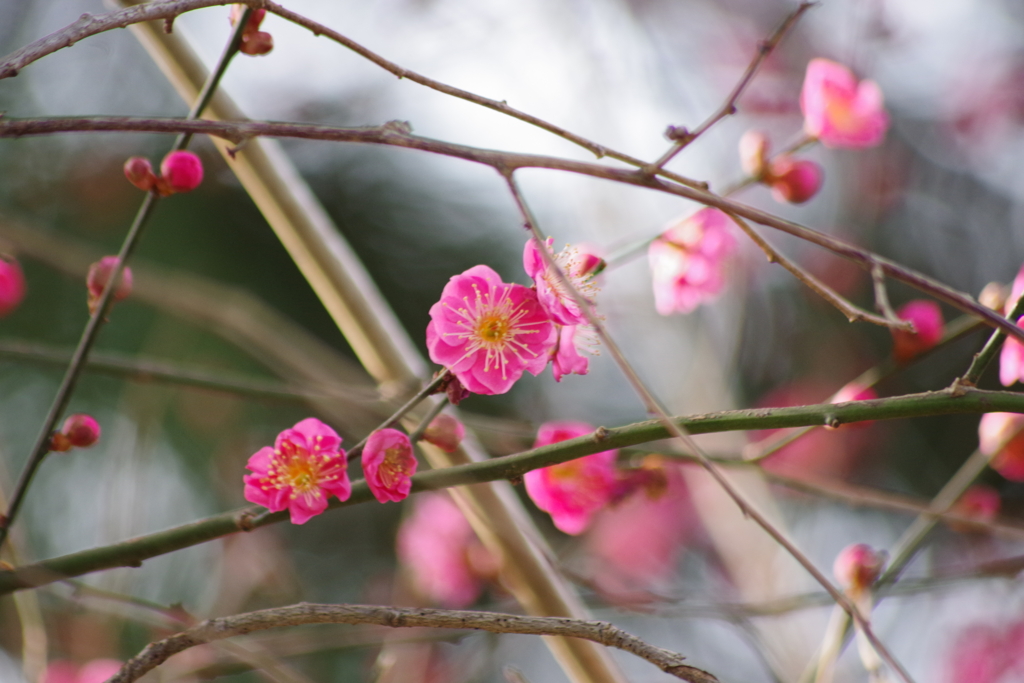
<point x="169" y="25"/>
<point x="678" y="134"/>
<point x="832" y="421"/>
<point x="600" y="434"/>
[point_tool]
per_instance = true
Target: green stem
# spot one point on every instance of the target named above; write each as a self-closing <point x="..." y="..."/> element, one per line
<point x="988" y="352"/>
<point x="133" y="552"/>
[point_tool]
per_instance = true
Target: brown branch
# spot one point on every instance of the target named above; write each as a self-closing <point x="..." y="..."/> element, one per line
<point x="397" y="134"/>
<point x="684" y="137"/>
<point x="308" y="613"/>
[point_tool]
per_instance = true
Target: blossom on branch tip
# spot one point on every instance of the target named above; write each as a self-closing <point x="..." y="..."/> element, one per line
<point x="12" y="286"/>
<point x="858" y="566"/>
<point x="928" y="323"/>
<point x="552" y="294"/>
<point x="687" y="261"/>
<point x="839" y="110"/>
<point x="1001" y="437"/>
<point x="99" y="275"/>
<point x="304" y="468"/>
<point x="180" y="171"/>
<point x="445" y="431"/>
<point x="388" y="464"/>
<point x="488" y="332"/>
<point x="572" y="492"/>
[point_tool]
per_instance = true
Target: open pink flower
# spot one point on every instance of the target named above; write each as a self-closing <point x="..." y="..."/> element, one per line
<point x="1001" y="437"/>
<point x="389" y="463"/>
<point x="551" y="292"/>
<point x="305" y="467"/>
<point x="573" y="341"/>
<point x="571" y="492"/>
<point x="839" y="110"/>
<point x="686" y="261"/>
<point x="488" y="332"/>
<point x="12" y="286"/>
<point x="440" y="550"/>
<point x="927" y="318"/>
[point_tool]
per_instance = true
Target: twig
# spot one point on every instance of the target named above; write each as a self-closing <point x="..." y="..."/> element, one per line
<point x="395" y="417"/>
<point x="988" y="352"/>
<point x="882" y="300"/>
<point x="506" y="162"/>
<point x="653" y="405"/>
<point x="133" y="552"/>
<point x="99" y="316"/>
<point x="852" y="313"/>
<point x="307" y="613"/>
<point x="683" y="137"/>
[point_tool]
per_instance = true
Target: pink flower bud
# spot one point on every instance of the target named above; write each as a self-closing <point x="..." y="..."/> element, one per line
<point x="794" y="180"/>
<point x="754" y="153"/>
<point x="99" y="275"/>
<point x="181" y="171"/>
<point x="445" y="432"/>
<point x="12" y="286"/>
<point x="927" y="319"/>
<point x="139" y="173"/>
<point x="859" y="565"/>
<point x="81" y="430"/>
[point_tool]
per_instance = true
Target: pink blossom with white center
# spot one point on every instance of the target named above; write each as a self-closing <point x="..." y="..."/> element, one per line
<point x="839" y="110"/>
<point x="488" y="332"/>
<point x="1001" y="437"/>
<point x="571" y="492"/>
<point x="12" y="286"/>
<point x="389" y="463"/>
<point x="573" y="341"/>
<point x="304" y="468"/>
<point x="927" y="319"/>
<point x="687" y="261"/>
<point x="437" y="545"/>
<point x="578" y="268"/>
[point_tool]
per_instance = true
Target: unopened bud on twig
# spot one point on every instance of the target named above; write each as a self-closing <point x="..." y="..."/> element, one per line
<point x="98" y="277"/>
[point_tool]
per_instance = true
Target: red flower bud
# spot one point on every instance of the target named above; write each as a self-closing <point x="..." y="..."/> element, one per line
<point x="81" y="430"/>
<point x="258" y="43"/>
<point x="181" y="171"/>
<point x="859" y="565"/>
<point x="139" y="173"/>
<point x="794" y="180"/>
<point x="12" y="286"/>
<point x="927" y="319"/>
<point x="98" y="277"/>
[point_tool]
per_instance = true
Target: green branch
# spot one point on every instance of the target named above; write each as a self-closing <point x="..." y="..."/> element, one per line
<point x="132" y="552"/>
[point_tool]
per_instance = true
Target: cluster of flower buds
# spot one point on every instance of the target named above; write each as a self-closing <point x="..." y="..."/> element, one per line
<point x="254" y="41"/>
<point x="180" y="171"/>
<point x="79" y="431"/>
<point x="792" y="180"/>
<point x="12" y="286"/>
<point x="98" y="277"/>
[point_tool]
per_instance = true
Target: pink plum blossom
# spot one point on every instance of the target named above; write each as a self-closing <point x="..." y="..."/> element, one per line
<point x="573" y="341"/>
<point x="180" y="171"/>
<point x="445" y="431"/>
<point x="794" y="180"/>
<point x="1001" y="437"/>
<point x="304" y="468"/>
<point x="858" y="566"/>
<point x="99" y="275"/>
<point x="81" y="430"/>
<point x="986" y="653"/>
<point x="928" y="324"/>
<point x="93" y="671"/>
<point x="12" y="286"/>
<point x="389" y="463"/>
<point x="839" y="110"/>
<point x="1011" y="358"/>
<point x="446" y="561"/>
<point x="687" y="260"/>
<point x="488" y="332"/>
<point x="571" y="492"/>
<point x="551" y="292"/>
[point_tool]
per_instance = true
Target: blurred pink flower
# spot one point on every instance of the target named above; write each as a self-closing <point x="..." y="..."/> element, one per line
<point x="180" y="171"/>
<point x="445" y="432"/>
<point x="94" y="671"/>
<point x="438" y="547"/>
<point x="979" y="501"/>
<point x="303" y="469"/>
<point x="573" y="341"/>
<point x="571" y="492"/>
<point x="928" y="323"/>
<point x="984" y="653"/>
<point x="838" y="110"/>
<point x="858" y="566"/>
<point x="635" y="544"/>
<point x="12" y="286"/>
<point x="98" y="277"/>
<point x="686" y="261"/>
<point x="1001" y="438"/>
<point x="388" y="463"/>
<point x="794" y="180"/>
<point x="1011" y="358"/>
<point x="488" y="332"/>
<point x="551" y="292"/>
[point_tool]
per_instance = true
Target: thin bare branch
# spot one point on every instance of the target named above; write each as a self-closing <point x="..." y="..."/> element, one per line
<point x="307" y="613"/>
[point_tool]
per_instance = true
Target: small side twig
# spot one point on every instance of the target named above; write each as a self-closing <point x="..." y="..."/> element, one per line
<point x="307" y="613"/>
<point x="882" y="300"/>
<point x="983" y="358"/>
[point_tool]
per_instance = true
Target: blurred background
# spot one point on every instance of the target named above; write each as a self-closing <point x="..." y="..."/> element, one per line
<point x="210" y="358"/>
